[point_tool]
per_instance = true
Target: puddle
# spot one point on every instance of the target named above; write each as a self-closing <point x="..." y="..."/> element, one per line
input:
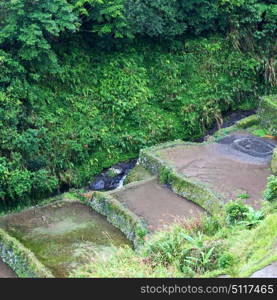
<point x="64" y="235"/>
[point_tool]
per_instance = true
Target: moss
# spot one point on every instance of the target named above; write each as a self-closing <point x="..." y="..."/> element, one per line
<point x="59" y="234"/>
<point x="248" y="122"/>
<point x="138" y="173"/>
<point x="119" y="216"/>
<point x="112" y="173"/>
<point x="239" y="252"/>
<point x="268" y="114"/>
<point x="21" y="260"/>
<point x="274" y="162"/>
<point x="193" y="190"/>
<point x="259" y="132"/>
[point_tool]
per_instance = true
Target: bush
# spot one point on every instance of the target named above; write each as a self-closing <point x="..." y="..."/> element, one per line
<point x="191" y="253"/>
<point x="270" y="192"/>
<point x="241" y="214"/>
<point x="235" y="212"/>
<point x="252" y="217"/>
<point x="226" y="260"/>
<point x="211" y="225"/>
<point x="103" y="108"/>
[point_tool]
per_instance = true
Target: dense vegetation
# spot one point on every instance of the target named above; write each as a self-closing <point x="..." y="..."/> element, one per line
<point x="87" y="83"/>
<point x="236" y="243"/>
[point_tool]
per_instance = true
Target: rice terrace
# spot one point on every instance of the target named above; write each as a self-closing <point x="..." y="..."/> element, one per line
<point x="138" y="139"/>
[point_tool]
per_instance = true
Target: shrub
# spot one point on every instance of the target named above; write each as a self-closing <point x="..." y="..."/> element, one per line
<point x="270" y="192"/>
<point x="225" y="260"/>
<point x="252" y="217"/>
<point x="211" y="224"/>
<point x="191" y="253"/>
<point x="102" y="108"/>
<point x="241" y="214"/>
<point x="235" y="212"/>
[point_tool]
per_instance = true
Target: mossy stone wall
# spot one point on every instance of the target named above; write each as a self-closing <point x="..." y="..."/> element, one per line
<point x="190" y="189"/>
<point x="21" y="260"/>
<point x="119" y="216"/>
<point x="274" y="162"/>
<point x="268" y="114"/>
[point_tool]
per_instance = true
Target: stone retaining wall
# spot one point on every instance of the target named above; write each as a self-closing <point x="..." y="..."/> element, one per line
<point x="21" y="260"/>
<point x="190" y="189"/>
<point x="119" y="216"/>
<point x="268" y="114"/>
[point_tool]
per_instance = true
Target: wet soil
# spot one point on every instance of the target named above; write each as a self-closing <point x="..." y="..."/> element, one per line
<point x="224" y="169"/>
<point x="6" y="271"/>
<point x="156" y="204"/>
<point x="64" y="235"/>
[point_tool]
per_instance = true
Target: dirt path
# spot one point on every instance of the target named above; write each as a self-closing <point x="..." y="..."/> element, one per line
<point x="227" y="171"/>
<point x="6" y="271"/>
<point x="157" y="204"/>
<point x="269" y="271"/>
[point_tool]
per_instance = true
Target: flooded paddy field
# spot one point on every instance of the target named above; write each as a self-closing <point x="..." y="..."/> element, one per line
<point x="64" y="235"/>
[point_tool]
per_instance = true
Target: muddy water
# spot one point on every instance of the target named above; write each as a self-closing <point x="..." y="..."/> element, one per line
<point x="226" y="170"/>
<point x="6" y="271"/>
<point x="157" y="204"/>
<point x="64" y="235"/>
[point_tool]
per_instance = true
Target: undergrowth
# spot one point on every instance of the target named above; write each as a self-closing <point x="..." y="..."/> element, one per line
<point x="230" y="244"/>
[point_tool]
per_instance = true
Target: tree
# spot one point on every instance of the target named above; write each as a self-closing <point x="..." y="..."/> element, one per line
<point x="105" y="17"/>
<point x="27" y="28"/>
<point x="171" y="18"/>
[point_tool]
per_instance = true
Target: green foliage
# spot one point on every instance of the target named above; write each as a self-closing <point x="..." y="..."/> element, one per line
<point x="255" y="248"/>
<point x="252" y="217"/>
<point x="29" y="26"/>
<point x="238" y="213"/>
<point x="226" y="260"/>
<point x="235" y="212"/>
<point x="106" y="18"/>
<point x="270" y="192"/>
<point x="184" y="250"/>
<point x="243" y="196"/>
<point x="252" y="27"/>
<point x="103" y="109"/>
<point x="211" y="225"/>
<point x="124" y="264"/>
<point x="171" y="18"/>
<point x="189" y="253"/>
<point x="259" y="132"/>
<point x="69" y="108"/>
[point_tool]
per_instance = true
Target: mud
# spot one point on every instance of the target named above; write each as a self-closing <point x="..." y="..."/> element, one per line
<point x="224" y="169"/>
<point x="64" y="235"/>
<point x="156" y="204"/>
<point x="6" y="271"/>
